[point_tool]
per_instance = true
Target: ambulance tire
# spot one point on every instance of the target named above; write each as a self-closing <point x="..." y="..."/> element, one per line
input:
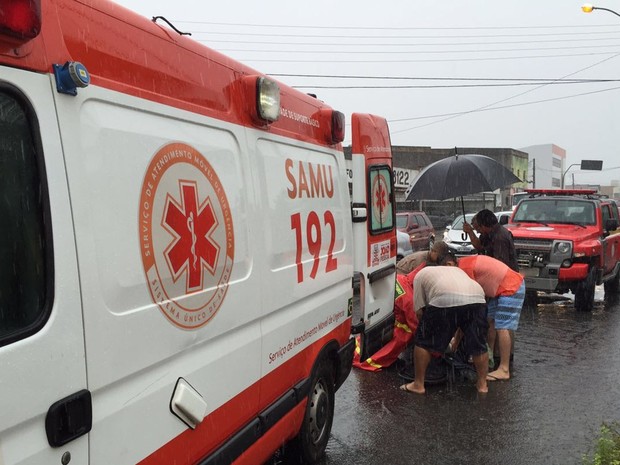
<point x="310" y="443"/>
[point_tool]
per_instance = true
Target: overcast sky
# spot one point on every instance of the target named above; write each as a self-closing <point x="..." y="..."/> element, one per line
<point x="480" y="73"/>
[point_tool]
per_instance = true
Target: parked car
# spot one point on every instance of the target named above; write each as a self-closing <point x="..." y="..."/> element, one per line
<point x="457" y="239"/>
<point x="419" y="228"/>
<point x="404" y="245"/>
<point x="503" y="217"/>
<point x="440" y="221"/>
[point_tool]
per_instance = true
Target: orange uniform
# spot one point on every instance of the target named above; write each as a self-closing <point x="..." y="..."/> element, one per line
<point x="404" y="327"/>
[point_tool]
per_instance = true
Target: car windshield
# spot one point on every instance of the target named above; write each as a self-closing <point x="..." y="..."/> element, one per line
<point x="458" y="221"/>
<point x="516" y="198"/>
<point x="401" y="221"/>
<point x="567" y="211"/>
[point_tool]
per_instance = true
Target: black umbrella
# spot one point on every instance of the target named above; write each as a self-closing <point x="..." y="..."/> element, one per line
<point x="460" y="175"/>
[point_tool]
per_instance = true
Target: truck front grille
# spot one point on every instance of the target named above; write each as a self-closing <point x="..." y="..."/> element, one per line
<point x="537" y="245"/>
<point x="533" y="252"/>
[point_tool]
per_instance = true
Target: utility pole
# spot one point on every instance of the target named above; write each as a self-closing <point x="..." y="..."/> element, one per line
<point x="534" y="173"/>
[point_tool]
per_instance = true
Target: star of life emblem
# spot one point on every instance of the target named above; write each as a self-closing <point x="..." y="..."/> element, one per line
<point x="186" y="236"/>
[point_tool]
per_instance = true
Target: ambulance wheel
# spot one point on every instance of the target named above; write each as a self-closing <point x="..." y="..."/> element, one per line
<point x="317" y="425"/>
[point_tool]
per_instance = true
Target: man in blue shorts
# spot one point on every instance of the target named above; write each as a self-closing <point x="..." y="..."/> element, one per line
<point x="505" y="292"/>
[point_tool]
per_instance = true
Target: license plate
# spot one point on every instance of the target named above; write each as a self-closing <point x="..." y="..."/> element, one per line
<point x="529" y="272"/>
<point x="463" y="249"/>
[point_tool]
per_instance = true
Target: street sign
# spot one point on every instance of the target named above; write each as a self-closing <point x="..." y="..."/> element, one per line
<point x="594" y="165"/>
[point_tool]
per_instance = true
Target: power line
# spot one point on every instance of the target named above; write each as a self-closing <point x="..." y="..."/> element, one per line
<point x="391" y="28"/>
<point x="488" y="106"/>
<point x="419" y="78"/>
<point x="445" y="86"/>
<point x="401" y="44"/>
<point x="439" y="52"/>
<point x="429" y="60"/>
<point x="476" y="36"/>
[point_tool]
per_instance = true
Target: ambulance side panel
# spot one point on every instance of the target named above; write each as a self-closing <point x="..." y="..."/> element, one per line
<point x="307" y="280"/>
<point x="202" y="253"/>
<point x="41" y="337"/>
<point x="135" y="351"/>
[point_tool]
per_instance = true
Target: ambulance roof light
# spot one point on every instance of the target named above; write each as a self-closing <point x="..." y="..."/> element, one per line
<point x="268" y="99"/>
<point x="21" y="18"/>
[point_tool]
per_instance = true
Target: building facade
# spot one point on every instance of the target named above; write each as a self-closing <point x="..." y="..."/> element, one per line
<point x="409" y="160"/>
<point x="547" y="166"/>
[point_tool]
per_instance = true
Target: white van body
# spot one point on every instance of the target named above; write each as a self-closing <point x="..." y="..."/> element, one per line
<point x="176" y="266"/>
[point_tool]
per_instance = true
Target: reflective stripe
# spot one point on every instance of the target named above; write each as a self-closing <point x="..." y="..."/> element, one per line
<point x="358" y="349"/>
<point x="403" y="326"/>
<point x="398" y="291"/>
<point x="373" y="364"/>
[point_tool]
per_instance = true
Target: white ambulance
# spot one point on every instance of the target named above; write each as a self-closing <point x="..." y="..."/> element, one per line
<point x="177" y="247"/>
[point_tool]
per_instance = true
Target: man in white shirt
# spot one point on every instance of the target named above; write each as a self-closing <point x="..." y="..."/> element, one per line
<point x="445" y="299"/>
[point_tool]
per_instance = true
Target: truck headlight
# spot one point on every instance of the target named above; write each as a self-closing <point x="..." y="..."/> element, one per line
<point x="563" y="247"/>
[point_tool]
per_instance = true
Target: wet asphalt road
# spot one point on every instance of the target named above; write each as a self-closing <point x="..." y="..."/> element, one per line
<point x="566" y="382"/>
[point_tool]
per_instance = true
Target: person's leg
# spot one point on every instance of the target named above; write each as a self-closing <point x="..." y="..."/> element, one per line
<point x="505" y="343"/>
<point x="491" y="335"/>
<point x="507" y="320"/>
<point x="481" y="363"/>
<point x="422" y="358"/>
<point x="456" y="340"/>
<point x="433" y="335"/>
<point x="473" y="321"/>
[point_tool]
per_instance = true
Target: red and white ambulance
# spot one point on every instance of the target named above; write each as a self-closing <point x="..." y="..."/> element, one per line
<point x="177" y="247"/>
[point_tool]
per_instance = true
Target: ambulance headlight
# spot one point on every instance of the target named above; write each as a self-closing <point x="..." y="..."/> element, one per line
<point x="268" y="99"/>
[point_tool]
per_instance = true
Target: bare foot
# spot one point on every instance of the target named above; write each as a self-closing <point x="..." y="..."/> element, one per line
<point x="412" y="387"/>
<point x="482" y="387"/>
<point x="498" y="375"/>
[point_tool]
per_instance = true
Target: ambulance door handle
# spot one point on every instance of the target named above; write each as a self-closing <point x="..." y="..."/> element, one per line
<point x="382" y="273"/>
<point x="359" y="212"/>
<point x="187" y="404"/>
<point x="69" y="418"/>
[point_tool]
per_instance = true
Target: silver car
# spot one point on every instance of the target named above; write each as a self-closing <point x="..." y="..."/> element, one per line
<point x="404" y="245"/>
<point x="457" y="239"/>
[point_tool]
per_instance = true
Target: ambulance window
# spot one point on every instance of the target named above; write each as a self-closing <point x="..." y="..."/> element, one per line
<point x="380" y="196"/>
<point x="23" y="246"/>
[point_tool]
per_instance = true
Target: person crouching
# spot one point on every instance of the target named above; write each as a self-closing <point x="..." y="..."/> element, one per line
<point x="445" y="299"/>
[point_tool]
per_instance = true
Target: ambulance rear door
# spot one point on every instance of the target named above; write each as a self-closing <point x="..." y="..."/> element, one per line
<point x="374" y="233"/>
<point x="45" y="408"/>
